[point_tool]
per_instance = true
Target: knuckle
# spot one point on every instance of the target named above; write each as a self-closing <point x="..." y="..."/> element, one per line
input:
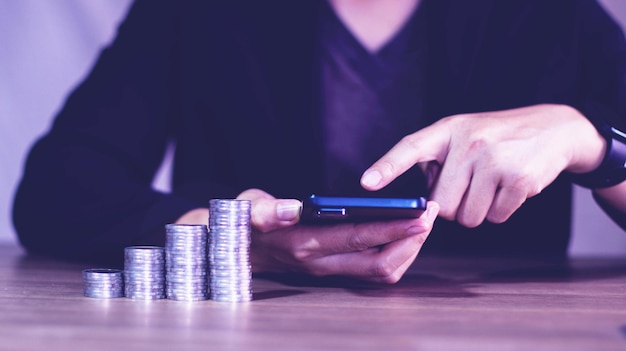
<point x="391" y="279"/>
<point x="292" y="247"/>
<point x="384" y="270"/>
<point x="301" y="254"/>
<point x="462" y="123"/>
<point x="450" y="121"/>
<point x="411" y="140"/>
<point x="470" y="214"/>
<point x="447" y="213"/>
<point x="497" y="217"/>
<point x="250" y="194"/>
<point x="357" y="242"/>
<point x="521" y="183"/>
<point x="261" y="223"/>
<point x="300" y="251"/>
<point x="524" y="186"/>
<point x="469" y="221"/>
<point x="421" y="238"/>
<point x="478" y="145"/>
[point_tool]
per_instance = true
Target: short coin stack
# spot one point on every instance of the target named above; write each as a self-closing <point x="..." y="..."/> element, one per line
<point x="144" y="272"/>
<point x="230" y="277"/>
<point x="103" y="283"/>
<point x="186" y="262"/>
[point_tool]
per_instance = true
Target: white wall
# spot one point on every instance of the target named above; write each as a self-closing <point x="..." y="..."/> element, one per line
<point x="46" y="48"/>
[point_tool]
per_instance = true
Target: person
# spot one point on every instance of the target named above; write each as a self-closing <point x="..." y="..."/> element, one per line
<point x="489" y="108"/>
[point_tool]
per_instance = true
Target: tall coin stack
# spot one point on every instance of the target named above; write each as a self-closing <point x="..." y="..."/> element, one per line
<point x="144" y="272"/>
<point x="103" y="283"/>
<point x="230" y="271"/>
<point x="186" y="262"/>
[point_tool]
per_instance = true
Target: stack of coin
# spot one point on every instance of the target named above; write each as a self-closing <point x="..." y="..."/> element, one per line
<point x="186" y="262"/>
<point x="230" y="271"/>
<point x="103" y="283"/>
<point x="144" y="272"/>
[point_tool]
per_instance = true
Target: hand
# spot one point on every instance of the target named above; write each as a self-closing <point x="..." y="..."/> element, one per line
<point x="378" y="251"/>
<point x="485" y="165"/>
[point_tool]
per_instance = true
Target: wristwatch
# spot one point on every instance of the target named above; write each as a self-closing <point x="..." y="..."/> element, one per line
<point x="612" y="170"/>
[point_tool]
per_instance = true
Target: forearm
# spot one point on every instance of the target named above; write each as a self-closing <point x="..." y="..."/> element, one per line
<point x="82" y="202"/>
<point x="92" y="223"/>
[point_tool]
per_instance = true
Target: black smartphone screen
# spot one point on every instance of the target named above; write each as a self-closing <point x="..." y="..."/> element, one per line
<point x="325" y="209"/>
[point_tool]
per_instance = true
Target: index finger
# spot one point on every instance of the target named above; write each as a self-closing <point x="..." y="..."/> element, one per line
<point x="428" y="144"/>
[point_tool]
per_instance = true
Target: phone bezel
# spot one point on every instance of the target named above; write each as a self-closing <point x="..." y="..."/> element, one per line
<point x="325" y="209"/>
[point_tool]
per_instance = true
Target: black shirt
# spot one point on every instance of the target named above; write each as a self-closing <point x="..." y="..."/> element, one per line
<point x="236" y="85"/>
<point x="370" y="101"/>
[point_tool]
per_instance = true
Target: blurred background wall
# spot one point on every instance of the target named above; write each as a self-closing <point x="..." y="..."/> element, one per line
<point x="593" y="233"/>
<point x="47" y="47"/>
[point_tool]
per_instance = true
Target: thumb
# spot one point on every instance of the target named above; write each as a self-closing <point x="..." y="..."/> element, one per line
<point x="269" y="213"/>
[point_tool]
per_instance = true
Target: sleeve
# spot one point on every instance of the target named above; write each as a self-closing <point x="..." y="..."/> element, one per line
<point x="603" y="78"/>
<point x="603" y="70"/>
<point x="86" y="188"/>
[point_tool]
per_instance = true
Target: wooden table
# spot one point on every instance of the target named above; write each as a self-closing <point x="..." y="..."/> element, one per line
<point x="440" y="305"/>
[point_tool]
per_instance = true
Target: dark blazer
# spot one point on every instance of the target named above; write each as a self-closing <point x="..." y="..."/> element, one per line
<point x="234" y="84"/>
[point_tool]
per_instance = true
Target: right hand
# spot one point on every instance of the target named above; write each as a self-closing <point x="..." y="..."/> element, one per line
<point x="377" y="251"/>
<point x="485" y="165"/>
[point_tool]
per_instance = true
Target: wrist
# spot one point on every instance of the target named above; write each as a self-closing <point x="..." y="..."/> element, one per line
<point x="611" y="169"/>
<point x="589" y="148"/>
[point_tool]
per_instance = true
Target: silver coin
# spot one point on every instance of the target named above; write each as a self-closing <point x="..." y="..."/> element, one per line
<point x="230" y="203"/>
<point x="99" y="273"/>
<point x="231" y="298"/>
<point x="103" y="283"/>
<point x="147" y="252"/>
<point x="104" y="294"/>
<point x="139" y="296"/>
<point x="229" y="250"/>
<point x="100" y="286"/>
<point x="186" y="262"/>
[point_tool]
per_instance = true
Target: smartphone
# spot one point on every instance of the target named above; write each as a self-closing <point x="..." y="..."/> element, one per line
<point x="325" y="209"/>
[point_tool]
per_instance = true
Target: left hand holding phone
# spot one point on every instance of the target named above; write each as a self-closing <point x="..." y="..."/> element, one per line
<point x="377" y="251"/>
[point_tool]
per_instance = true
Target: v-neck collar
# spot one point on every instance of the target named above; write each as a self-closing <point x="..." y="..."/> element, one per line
<point x="400" y="35"/>
<point x="373" y="67"/>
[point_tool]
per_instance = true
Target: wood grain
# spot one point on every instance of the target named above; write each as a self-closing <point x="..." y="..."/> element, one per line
<point x="442" y="304"/>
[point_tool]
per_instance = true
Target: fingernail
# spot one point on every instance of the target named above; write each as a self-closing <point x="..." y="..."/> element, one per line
<point x="371" y="178"/>
<point x="288" y="210"/>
